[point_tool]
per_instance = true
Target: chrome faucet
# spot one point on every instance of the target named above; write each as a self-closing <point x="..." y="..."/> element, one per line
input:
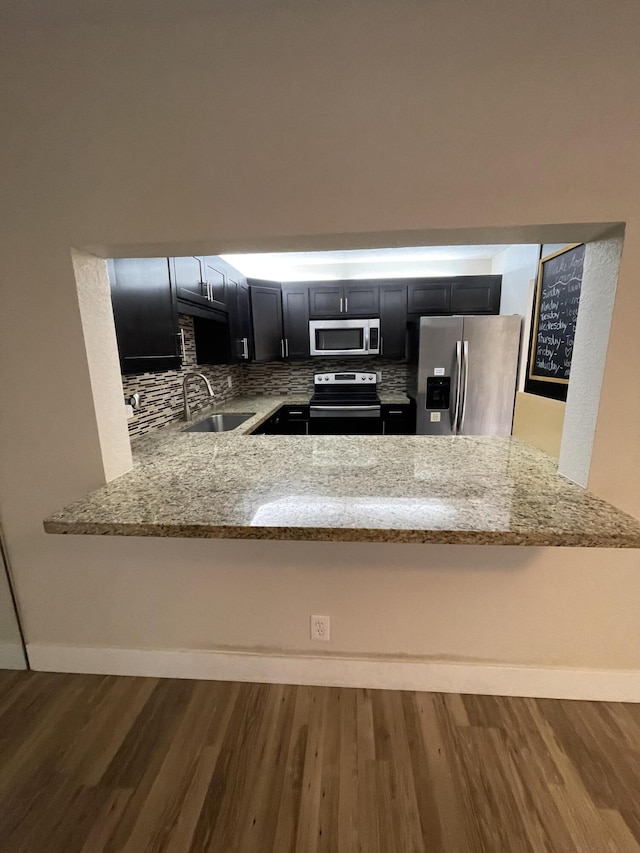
<point x="185" y="398"/>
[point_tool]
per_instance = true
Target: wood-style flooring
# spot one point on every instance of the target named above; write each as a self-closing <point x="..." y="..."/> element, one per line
<point x="92" y="763"/>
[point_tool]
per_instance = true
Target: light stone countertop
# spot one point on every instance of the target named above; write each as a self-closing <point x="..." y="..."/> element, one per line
<point x="447" y="490"/>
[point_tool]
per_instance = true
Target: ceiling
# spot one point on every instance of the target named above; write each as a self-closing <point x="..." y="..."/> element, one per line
<point x="368" y="263"/>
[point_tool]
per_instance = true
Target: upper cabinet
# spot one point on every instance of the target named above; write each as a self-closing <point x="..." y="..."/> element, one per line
<point x="343" y="299"/>
<point x="471" y="294"/>
<point x="236" y="321"/>
<point x="239" y="305"/>
<point x="393" y="320"/>
<point x="476" y="295"/>
<point x="295" y="319"/>
<point x="200" y="283"/>
<point x="145" y="314"/>
<point x="266" y="312"/>
<point x="429" y="296"/>
<point x="361" y="299"/>
<point x="325" y="300"/>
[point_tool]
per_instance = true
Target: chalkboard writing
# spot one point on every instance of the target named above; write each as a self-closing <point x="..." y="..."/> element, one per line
<point x="556" y="312"/>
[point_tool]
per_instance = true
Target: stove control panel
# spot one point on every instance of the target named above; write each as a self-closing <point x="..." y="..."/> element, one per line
<point x="343" y="378"/>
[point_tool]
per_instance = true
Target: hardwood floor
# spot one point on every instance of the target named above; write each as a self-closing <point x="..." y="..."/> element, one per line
<point x="91" y="763"/>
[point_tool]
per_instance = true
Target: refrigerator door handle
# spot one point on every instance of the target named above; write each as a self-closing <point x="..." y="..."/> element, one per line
<point x="456" y="412"/>
<point x="465" y="363"/>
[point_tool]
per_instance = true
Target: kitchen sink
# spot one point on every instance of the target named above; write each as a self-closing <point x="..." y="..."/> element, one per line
<point x="220" y="423"/>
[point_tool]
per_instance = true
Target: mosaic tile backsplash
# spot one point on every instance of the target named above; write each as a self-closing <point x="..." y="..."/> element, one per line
<point x="280" y="377"/>
<point x="161" y="391"/>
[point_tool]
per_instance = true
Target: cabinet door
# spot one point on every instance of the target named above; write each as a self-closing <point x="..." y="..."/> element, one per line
<point x="145" y="313"/>
<point x="295" y="319"/>
<point x="362" y="299"/>
<point x="239" y="308"/>
<point x="398" y="420"/>
<point x="188" y="276"/>
<point x="215" y="274"/>
<point x="245" y="331"/>
<point x="266" y="311"/>
<point x="393" y="320"/>
<point x="429" y="297"/>
<point x="325" y="300"/>
<point x="476" y="295"/>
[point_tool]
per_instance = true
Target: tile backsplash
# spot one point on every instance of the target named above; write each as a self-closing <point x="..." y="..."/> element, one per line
<point x="161" y="391"/>
<point x="296" y="377"/>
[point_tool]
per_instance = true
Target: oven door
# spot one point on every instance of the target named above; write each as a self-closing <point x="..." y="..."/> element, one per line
<point x="361" y="419"/>
<point x="339" y="337"/>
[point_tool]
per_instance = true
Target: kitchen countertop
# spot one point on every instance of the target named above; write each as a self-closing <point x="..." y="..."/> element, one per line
<point x="438" y="489"/>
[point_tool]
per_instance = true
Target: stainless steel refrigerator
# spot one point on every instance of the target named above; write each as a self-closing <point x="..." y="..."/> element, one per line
<point x="462" y="374"/>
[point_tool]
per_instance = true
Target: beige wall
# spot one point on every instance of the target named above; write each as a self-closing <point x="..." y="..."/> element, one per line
<point x="266" y="125"/>
<point x="539" y="421"/>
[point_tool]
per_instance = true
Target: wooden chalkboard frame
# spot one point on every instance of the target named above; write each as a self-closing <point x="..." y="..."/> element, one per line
<point x="536" y="316"/>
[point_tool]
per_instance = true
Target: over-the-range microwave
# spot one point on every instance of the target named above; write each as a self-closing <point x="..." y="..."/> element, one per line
<point x="344" y="337"/>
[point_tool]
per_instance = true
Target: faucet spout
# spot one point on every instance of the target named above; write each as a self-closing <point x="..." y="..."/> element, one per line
<point x="185" y="395"/>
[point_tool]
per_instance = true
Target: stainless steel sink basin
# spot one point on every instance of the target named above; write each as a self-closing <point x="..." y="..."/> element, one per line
<point x="220" y="423"/>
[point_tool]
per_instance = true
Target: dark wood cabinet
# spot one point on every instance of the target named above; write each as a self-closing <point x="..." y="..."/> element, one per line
<point x="429" y="296"/>
<point x="295" y="319"/>
<point x="325" y="300"/>
<point x="345" y="299"/>
<point x="266" y="312"/>
<point x="288" y="420"/>
<point x="145" y="314"/>
<point x="361" y="299"/>
<point x="476" y="295"/>
<point x="199" y="282"/>
<point x="398" y="419"/>
<point x="393" y="320"/>
<point x="216" y="273"/>
<point x="188" y="278"/>
<point x="242" y="330"/>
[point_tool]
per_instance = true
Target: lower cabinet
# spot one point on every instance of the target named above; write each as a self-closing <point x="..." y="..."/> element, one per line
<point x="288" y="420"/>
<point x="296" y="420"/>
<point x="398" y="420"/>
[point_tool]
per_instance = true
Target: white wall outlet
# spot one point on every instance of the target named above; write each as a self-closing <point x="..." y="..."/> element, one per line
<point x="378" y="376"/>
<point x="230" y="381"/>
<point x="320" y="628"/>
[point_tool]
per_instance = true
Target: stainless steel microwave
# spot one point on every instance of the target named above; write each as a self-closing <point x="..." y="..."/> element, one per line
<point x="344" y="337"/>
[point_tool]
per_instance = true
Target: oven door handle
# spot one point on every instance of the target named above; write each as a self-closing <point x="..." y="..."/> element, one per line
<point x="337" y="412"/>
<point x="345" y="408"/>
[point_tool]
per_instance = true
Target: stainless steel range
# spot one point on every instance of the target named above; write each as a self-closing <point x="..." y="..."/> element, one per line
<point x="345" y="403"/>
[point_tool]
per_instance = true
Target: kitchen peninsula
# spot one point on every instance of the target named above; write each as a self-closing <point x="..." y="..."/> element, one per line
<point x="420" y="489"/>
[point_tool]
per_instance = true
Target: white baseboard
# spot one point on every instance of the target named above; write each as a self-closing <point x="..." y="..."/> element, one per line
<point x="431" y="676"/>
<point x="12" y="656"/>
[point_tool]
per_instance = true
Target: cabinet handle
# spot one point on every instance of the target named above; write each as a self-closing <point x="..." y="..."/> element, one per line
<point x="381" y="345"/>
<point x="341" y="301"/>
<point x="182" y="346"/>
<point x="245" y="348"/>
<point x="286" y="347"/>
<point x="346" y="305"/>
<point x="282" y="347"/>
<point x="392" y="412"/>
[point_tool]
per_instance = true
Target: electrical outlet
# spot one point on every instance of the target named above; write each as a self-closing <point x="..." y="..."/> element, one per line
<point x="320" y="626"/>
<point x="379" y="376"/>
<point x="230" y="381"/>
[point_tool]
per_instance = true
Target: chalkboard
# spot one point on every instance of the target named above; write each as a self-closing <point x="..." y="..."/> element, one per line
<point x="555" y="314"/>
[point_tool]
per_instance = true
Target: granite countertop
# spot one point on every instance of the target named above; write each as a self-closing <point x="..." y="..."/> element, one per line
<point x="447" y="490"/>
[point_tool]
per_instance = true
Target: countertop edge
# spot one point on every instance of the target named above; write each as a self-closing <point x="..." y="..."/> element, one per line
<point x="347" y="534"/>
